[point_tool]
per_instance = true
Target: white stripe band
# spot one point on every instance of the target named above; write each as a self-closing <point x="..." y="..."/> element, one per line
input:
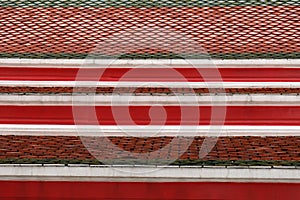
<point x="147" y="131"/>
<point x="236" y="99"/>
<point x="150" y="84"/>
<point x="149" y="173"/>
<point x="150" y="63"/>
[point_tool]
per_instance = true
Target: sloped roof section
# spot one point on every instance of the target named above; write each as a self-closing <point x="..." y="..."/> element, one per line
<point x="150" y="29"/>
<point x="146" y="30"/>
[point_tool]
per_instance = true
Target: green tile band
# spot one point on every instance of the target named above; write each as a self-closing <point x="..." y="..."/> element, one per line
<point x="145" y="3"/>
<point x="283" y="55"/>
<point x="145" y="162"/>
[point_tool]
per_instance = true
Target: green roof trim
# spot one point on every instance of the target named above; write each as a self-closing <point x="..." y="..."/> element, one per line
<point x="282" y="55"/>
<point x="145" y="3"/>
<point x="151" y="162"/>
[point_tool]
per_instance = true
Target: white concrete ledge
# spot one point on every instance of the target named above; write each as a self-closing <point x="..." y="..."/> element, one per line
<point x="152" y="63"/>
<point x="147" y="131"/>
<point x="188" y="100"/>
<point x="148" y="173"/>
<point x="136" y="84"/>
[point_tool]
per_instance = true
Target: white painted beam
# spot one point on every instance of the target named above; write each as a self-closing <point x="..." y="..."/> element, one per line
<point x="120" y="84"/>
<point x="149" y="173"/>
<point x="150" y="63"/>
<point x="192" y="100"/>
<point x="147" y="131"/>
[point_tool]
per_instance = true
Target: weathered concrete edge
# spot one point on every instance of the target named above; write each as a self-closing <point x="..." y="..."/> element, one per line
<point x="148" y="173"/>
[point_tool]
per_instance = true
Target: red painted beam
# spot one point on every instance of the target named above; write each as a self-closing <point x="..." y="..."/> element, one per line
<point x="166" y="115"/>
<point x="56" y="190"/>
<point x="152" y="74"/>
